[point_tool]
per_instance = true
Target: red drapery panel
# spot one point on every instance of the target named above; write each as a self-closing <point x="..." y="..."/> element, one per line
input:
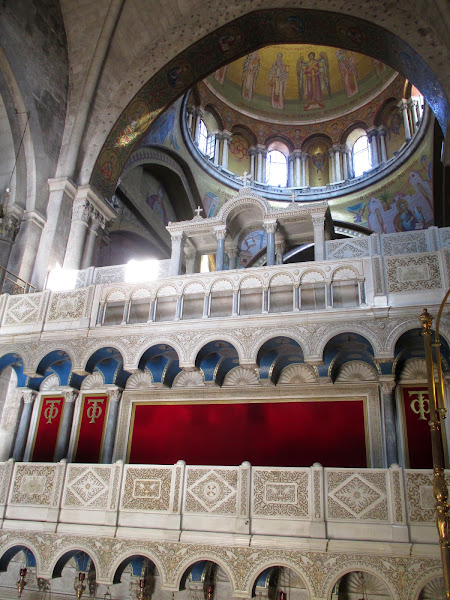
<point x="49" y="418"/>
<point x="264" y="433"/>
<point x="91" y="427"/>
<point x="417" y="431"/>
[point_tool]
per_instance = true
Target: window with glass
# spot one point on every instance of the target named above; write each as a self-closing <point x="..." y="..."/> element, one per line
<point x="276" y="169"/>
<point x="361" y="156"/>
<point x="205" y="142"/>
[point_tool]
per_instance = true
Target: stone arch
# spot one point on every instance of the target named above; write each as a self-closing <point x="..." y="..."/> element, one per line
<point x="130" y="552"/>
<point x="230" y="209"/>
<point x="348" y="328"/>
<point x="342" y="269"/>
<point x="12" y="549"/>
<point x="217" y="337"/>
<point x="210" y="558"/>
<point x="287" y="564"/>
<point x="359" y="566"/>
<point x="258" y="344"/>
<point x="59" y="347"/>
<point x="350" y="129"/>
<point x="94" y="354"/>
<point x="422" y="582"/>
<point x="60" y="560"/>
<point x="408" y="325"/>
<point x="156" y="342"/>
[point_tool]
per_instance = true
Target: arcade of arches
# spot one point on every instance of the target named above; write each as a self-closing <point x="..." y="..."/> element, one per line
<point x="218" y="228"/>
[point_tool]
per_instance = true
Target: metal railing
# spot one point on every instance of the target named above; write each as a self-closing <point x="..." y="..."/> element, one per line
<point x="13" y="285"/>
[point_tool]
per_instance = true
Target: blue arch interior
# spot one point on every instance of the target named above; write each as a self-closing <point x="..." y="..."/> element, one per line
<point x="215" y="359"/>
<point x="162" y="362"/>
<point x="110" y="363"/>
<point x="276" y="354"/>
<point x="411" y="345"/>
<point x="82" y="560"/>
<point x="14" y="361"/>
<point x="30" y="560"/>
<point x="137" y="565"/>
<point x="343" y="348"/>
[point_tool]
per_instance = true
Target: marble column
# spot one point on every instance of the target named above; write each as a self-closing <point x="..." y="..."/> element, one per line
<point x="412" y="115"/>
<point x="305" y="176"/>
<point x="190" y="119"/>
<point x="198" y="117"/>
<point x="328" y="295"/>
<point x="65" y="426"/>
<point x="297" y="159"/>
<point x="349" y="158"/>
<point x="291" y="170"/>
<point x="226" y="137"/>
<point x="387" y="388"/>
<point x="190" y="256"/>
<point x="270" y="228"/>
<point x="28" y="397"/>
<point x="382" y="138"/>
<point x="220" y="234"/>
<point x="97" y="223"/>
<point x="115" y="395"/>
<point x="332" y="165"/>
<point x="252" y="154"/>
<point x="337" y="163"/>
<point x="235" y="307"/>
<point x="372" y="135"/>
<point x="319" y="237"/>
<point x="404" y="108"/>
<point x="9" y="421"/>
<point x="344" y="154"/>
<point x="259" y="165"/>
<point x="232" y="258"/>
<point x="217" y="141"/>
<point x="206" y="305"/>
<point x="26" y="243"/>
<point x="177" y="254"/>
<point x="78" y="230"/>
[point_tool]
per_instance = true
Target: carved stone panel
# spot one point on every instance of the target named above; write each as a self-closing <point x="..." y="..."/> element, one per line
<point x="356" y="495"/>
<point x="281" y="492"/>
<point x="211" y="490"/>
<point x="147" y="488"/>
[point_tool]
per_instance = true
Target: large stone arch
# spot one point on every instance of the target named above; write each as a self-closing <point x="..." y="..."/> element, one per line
<point x="281" y="562"/>
<point x="358" y="565"/>
<point x="208" y="556"/>
<point x="184" y="68"/>
<point x="128" y="553"/>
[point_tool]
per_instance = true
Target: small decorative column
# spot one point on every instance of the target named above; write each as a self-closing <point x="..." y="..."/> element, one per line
<point x="78" y="230"/>
<point x="297" y="158"/>
<point x="382" y="138"/>
<point x="362" y="292"/>
<point x="291" y="170"/>
<point x="265" y="300"/>
<point x="226" y="137"/>
<point x="206" y="305"/>
<point x="220" y="233"/>
<point x="232" y="258"/>
<point x="328" y="295"/>
<point x="217" y="140"/>
<point x="387" y="387"/>
<point x="345" y="163"/>
<point x="100" y="314"/>
<point x="177" y="253"/>
<point x="404" y="108"/>
<point x="349" y="161"/>
<point x="333" y="165"/>
<point x="296" y="297"/>
<point x="115" y="395"/>
<point x="372" y="135"/>
<point x="280" y="247"/>
<point x="412" y="115"/>
<point x="198" y="117"/>
<point x="70" y="395"/>
<point x="264" y="166"/>
<point x="305" y="175"/>
<point x="252" y="154"/>
<point x="319" y="237"/>
<point x="179" y="308"/>
<point x="152" y="311"/>
<point x="236" y="300"/>
<point x="28" y="397"/>
<point x="270" y="228"/>
<point x="416" y="112"/>
<point x="337" y="161"/>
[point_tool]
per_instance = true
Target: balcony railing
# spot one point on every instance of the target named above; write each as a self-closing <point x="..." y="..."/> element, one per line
<point x="12" y="284"/>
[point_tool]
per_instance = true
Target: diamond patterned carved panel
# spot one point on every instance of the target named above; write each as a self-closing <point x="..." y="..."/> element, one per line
<point x="357" y="495"/>
<point x="211" y="491"/>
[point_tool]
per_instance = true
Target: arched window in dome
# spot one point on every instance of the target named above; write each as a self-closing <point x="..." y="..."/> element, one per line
<point x="361" y="155"/>
<point x="205" y="141"/>
<point x="276" y="169"/>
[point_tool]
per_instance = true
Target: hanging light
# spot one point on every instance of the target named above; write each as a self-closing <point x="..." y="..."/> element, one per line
<point x="141" y="594"/>
<point x="22" y="581"/>
<point x="107" y="595"/>
<point x="209" y="591"/>
<point x="79" y="585"/>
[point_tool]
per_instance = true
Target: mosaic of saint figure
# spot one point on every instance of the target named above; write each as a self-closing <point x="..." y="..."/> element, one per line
<point x="219" y="75"/>
<point x="250" y="75"/>
<point x="278" y="78"/>
<point x="313" y="80"/>
<point x="349" y="74"/>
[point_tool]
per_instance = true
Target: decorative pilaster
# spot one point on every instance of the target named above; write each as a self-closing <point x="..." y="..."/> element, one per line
<point x="177" y="254"/>
<point x="198" y="114"/>
<point x="97" y="223"/>
<point x="319" y="237"/>
<point x="70" y="395"/>
<point x="190" y="119"/>
<point x="28" y="396"/>
<point x="270" y="228"/>
<point x="115" y="395"/>
<point x="382" y="138"/>
<point x="387" y="387"/>
<point x="217" y="140"/>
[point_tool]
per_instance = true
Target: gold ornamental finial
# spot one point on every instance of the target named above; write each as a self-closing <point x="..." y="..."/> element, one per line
<point x="426" y="320"/>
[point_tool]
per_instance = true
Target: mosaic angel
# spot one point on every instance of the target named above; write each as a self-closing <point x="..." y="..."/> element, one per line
<point x="250" y="72"/>
<point x="313" y="79"/>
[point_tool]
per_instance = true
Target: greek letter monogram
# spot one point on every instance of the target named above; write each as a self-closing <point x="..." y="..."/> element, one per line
<point x="420" y="404"/>
<point x="94" y="411"/>
<point x="52" y="410"/>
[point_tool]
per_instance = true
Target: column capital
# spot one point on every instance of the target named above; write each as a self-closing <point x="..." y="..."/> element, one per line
<point x="220" y="232"/>
<point x="402" y="104"/>
<point x="69" y="394"/>
<point x="318" y="220"/>
<point x="331" y="152"/>
<point x="297" y="154"/>
<point x="81" y="210"/>
<point x="372" y="132"/>
<point x="280" y="246"/>
<point x="88" y="193"/>
<point x="382" y="130"/>
<point x="190" y="109"/>
<point x="252" y="151"/>
<point x="270" y="226"/>
<point x="232" y="252"/>
<point x="115" y="392"/>
<point x="227" y="135"/>
<point x="387" y="383"/>
<point x="177" y="237"/>
<point x="26" y="394"/>
<point x="198" y="111"/>
<point x="62" y="184"/>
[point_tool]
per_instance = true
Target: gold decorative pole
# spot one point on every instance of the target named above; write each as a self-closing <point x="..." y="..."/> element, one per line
<point x="437" y="412"/>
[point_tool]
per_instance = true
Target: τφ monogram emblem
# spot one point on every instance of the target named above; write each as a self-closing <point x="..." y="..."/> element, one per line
<point x="94" y="411"/>
<point x="420" y="404"/>
<point x="52" y="410"/>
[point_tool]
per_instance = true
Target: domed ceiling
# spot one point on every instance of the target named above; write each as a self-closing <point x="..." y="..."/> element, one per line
<point x="300" y="83"/>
